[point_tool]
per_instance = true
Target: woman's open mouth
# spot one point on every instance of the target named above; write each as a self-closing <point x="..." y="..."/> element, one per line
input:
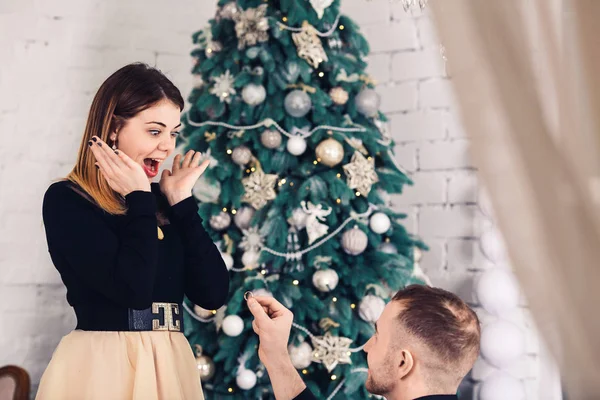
<point x="151" y="166"/>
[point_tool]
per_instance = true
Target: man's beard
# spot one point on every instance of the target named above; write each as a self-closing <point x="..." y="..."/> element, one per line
<point x="380" y="386"/>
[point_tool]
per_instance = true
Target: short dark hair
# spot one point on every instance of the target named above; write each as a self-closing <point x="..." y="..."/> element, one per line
<point x="443" y="322"/>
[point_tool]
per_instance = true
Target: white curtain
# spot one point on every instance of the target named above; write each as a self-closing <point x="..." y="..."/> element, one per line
<point x="526" y="74"/>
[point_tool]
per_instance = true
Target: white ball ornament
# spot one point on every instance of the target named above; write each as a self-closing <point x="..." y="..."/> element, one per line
<point x="379" y="223"/>
<point x="501" y="386"/>
<point x="262" y="292"/>
<point x="250" y="259"/>
<point x="220" y="221"/>
<point x="388" y="248"/>
<point x="296" y="145"/>
<point x="233" y="325"/>
<point x="241" y="155"/>
<point x="228" y="260"/>
<point x="300" y="355"/>
<point x="245" y="379"/>
<point x="243" y="216"/>
<point x="354" y="241"/>
<point x="325" y="280"/>
<point x="497" y="290"/>
<point x="297" y="103"/>
<point x="502" y="343"/>
<point x="254" y="94"/>
<point x="371" y="307"/>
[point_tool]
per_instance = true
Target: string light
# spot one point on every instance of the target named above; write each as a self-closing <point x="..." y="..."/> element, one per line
<point x="338" y="201"/>
<point x="321" y="74"/>
<point x="224" y="209"/>
<point x="264" y="272"/>
<point x="229" y="151"/>
<point x="333" y="377"/>
<point x="334" y="299"/>
<point x="357" y="194"/>
<point x="284" y="19"/>
<point x="339" y="175"/>
<point x="353" y="306"/>
<point x="304" y="372"/>
<point x="341" y="27"/>
<point x="295" y="282"/>
<point x="234" y="211"/>
<point x="230" y="390"/>
<point x="315" y="162"/>
<point x="214" y="312"/>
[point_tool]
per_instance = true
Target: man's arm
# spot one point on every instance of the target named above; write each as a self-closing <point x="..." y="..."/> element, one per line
<point x="272" y="323"/>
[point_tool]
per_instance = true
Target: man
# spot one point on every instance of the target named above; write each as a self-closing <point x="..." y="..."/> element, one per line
<point x="425" y="342"/>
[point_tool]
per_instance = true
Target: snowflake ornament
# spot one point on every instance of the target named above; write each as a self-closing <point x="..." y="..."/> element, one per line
<point x="251" y="26"/>
<point x="361" y="173"/>
<point x="223" y="87"/>
<point x="259" y="189"/>
<point x="309" y="45"/>
<point x="253" y="240"/>
<point x="331" y="350"/>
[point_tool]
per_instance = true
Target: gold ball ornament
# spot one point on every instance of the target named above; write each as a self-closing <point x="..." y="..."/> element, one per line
<point x="330" y="152"/>
<point x="271" y="139"/>
<point x="338" y="95"/>
<point x="206" y="366"/>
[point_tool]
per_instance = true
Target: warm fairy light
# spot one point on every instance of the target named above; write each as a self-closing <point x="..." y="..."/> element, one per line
<point x="209" y="50"/>
<point x="304" y="372"/>
<point x="353" y="306"/>
<point x="284" y="19"/>
<point x="357" y="194"/>
<point x="338" y="201"/>
<point x="230" y="390"/>
<point x="321" y="74"/>
<point x="247" y="171"/>
<point x="264" y="272"/>
<point x="224" y="209"/>
<point x="296" y="282"/>
<point x="333" y="377"/>
<point x="315" y="162"/>
<point x="229" y="151"/>
<point x="339" y="175"/>
<point x="252" y="169"/>
<point x="234" y="211"/>
<point x="214" y="312"/>
<point x="341" y="27"/>
<point x="369" y="158"/>
<point x="291" y="183"/>
<point x="334" y="299"/>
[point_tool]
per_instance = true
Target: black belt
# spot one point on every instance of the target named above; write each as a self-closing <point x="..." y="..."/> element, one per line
<point x="159" y="317"/>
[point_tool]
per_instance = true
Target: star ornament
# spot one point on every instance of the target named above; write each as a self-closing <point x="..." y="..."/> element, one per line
<point x="331" y="350"/>
<point x="260" y="188"/>
<point x="361" y="173"/>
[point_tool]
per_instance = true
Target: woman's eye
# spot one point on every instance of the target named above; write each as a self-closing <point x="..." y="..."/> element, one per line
<point x="154" y="132"/>
<point x="175" y="134"/>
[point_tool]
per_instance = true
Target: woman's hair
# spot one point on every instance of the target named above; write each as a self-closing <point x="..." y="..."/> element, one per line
<point x="131" y="89"/>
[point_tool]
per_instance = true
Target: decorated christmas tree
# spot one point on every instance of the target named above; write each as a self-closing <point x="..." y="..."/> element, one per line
<point x="296" y="194"/>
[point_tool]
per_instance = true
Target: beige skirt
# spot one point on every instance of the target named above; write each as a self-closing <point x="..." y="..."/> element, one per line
<point x="90" y="365"/>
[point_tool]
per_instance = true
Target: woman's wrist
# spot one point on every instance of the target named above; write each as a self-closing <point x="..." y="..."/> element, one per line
<point x="174" y="198"/>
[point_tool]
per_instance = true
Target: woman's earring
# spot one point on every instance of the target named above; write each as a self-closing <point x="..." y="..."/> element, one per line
<point x="114" y="146"/>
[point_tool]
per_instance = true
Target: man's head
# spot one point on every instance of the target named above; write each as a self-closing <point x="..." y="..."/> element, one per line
<point x="426" y="341"/>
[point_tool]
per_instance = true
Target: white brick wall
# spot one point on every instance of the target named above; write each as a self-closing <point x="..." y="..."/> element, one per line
<point x="56" y="55"/>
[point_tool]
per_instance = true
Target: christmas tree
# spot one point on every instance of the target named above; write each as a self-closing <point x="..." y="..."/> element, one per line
<point x="296" y="194"/>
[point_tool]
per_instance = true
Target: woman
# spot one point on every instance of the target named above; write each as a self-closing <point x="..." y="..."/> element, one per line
<point x="128" y="249"/>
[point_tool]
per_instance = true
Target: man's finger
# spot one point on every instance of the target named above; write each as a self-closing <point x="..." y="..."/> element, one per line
<point x="276" y="309"/>
<point x="257" y="311"/>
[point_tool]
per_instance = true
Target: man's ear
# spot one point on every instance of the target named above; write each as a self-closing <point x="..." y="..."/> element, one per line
<point x="406" y="363"/>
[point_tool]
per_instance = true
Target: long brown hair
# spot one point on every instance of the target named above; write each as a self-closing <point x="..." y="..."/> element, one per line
<point x="131" y="89"/>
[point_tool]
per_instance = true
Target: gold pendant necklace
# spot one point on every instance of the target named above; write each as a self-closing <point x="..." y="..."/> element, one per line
<point x="161" y="235"/>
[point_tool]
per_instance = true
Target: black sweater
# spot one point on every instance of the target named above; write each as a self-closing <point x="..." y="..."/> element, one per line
<point x="111" y="263"/>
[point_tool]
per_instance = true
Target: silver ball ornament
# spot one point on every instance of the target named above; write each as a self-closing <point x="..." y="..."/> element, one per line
<point x="241" y="155"/>
<point x="220" y="221"/>
<point x="367" y="102"/>
<point x="250" y="259"/>
<point x="330" y="152"/>
<point x="297" y="103"/>
<point x="243" y="216"/>
<point x="271" y="139"/>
